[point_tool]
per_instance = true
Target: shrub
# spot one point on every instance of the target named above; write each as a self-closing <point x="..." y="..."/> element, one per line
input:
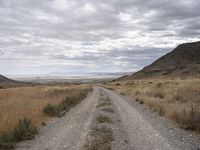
<point x="65" y="105"/>
<point x="24" y="131"/>
<point x="70" y="101"/>
<point x="185" y="117"/>
<point x="187" y="94"/>
<point x="156" y="92"/>
<point x="118" y="84"/>
<point x="51" y="110"/>
<point x="190" y="119"/>
<point x="155" y="105"/>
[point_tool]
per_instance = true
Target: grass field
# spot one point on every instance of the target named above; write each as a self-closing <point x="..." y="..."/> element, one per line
<point x="29" y="102"/>
<point x="176" y="99"/>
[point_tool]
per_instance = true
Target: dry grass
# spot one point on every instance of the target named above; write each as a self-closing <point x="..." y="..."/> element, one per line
<point x="28" y="102"/>
<point x="176" y="99"/>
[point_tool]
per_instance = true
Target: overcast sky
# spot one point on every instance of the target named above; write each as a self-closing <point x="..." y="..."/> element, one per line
<point x="40" y="36"/>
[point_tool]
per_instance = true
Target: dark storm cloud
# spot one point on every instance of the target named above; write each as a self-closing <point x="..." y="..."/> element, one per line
<point x="118" y="35"/>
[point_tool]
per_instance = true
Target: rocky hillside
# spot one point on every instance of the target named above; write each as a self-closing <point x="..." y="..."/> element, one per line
<point x="183" y="61"/>
<point x="10" y="83"/>
<point x="4" y="79"/>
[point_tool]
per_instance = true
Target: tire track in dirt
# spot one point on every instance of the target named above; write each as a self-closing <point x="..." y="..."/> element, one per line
<point x="106" y="130"/>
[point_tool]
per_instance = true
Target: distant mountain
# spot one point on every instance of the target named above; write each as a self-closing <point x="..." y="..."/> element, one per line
<point x="111" y="73"/>
<point x="10" y="83"/>
<point x="183" y="61"/>
<point x="4" y="79"/>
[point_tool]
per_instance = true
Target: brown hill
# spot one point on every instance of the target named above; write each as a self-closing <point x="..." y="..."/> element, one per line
<point x="183" y="61"/>
<point x="10" y="83"/>
<point x="4" y="79"/>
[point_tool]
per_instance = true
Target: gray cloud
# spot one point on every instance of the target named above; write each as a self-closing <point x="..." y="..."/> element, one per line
<point x="112" y="35"/>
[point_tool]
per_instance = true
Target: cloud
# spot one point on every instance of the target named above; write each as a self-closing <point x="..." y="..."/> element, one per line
<point x="112" y="35"/>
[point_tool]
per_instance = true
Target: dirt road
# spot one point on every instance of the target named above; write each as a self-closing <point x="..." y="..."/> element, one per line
<point x="130" y="127"/>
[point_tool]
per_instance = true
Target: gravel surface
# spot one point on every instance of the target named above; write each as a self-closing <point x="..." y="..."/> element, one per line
<point x="134" y="127"/>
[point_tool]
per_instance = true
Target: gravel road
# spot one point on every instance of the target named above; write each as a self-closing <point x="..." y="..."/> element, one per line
<point x="134" y="127"/>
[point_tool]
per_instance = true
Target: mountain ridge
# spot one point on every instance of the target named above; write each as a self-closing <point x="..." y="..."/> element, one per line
<point x="4" y="79"/>
<point x="183" y="61"/>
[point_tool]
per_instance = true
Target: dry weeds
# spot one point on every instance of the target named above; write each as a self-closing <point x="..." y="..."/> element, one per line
<point x="28" y="102"/>
<point x="176" y="99"/>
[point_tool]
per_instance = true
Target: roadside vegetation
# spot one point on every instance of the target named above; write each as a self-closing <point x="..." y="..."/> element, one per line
<point x="22" y="109"/>
<point x="60" y="109"/>
<point x="23" y="131"/>
<point x="175" y="99"/>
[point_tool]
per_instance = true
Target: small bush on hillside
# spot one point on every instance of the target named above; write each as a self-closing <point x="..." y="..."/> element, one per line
<point x="156" y="92"/>
<point x="118" y="84"/>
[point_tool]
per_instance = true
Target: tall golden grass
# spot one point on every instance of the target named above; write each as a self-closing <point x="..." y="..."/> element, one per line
<point x="176" y="99"/>
<point x="28" y="102"/>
